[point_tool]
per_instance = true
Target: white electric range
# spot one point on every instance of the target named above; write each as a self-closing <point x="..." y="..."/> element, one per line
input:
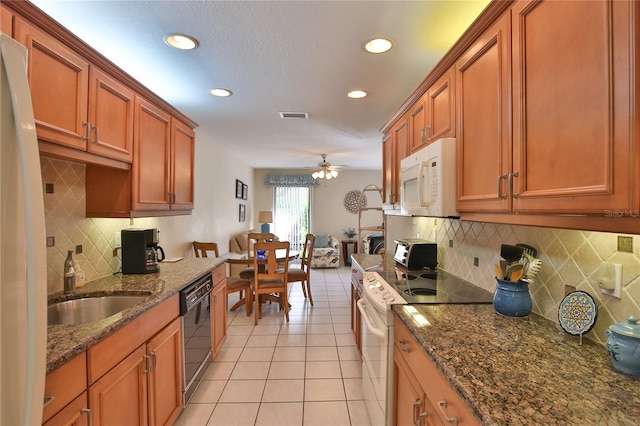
<point x="381" y="291"/>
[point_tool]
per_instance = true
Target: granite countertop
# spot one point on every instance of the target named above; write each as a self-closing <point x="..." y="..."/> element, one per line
<point x="524" y="371"/>
<point x="66" y="341"/>
<point x="520" y="371"/>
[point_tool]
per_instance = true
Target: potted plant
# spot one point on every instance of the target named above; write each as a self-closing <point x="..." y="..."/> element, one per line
<point x="349" y="233"/>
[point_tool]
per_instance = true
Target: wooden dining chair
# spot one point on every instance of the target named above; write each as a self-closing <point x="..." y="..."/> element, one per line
<point x="303" y="273"/>
<point x="252" y="238"/>
<point x="268" y="278"/>
<point x="234" y="284"/>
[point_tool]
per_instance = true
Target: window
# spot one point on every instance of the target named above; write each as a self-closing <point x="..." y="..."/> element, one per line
<point x="291" y="214"/>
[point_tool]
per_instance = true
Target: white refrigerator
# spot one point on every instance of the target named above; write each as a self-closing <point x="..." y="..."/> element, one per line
<point x="23" y="270"/>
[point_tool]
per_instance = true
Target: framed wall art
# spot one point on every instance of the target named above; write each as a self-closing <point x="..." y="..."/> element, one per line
<point x="242" y="213"/>
<point x="245" y="191"/>
<point x="239" y="186"/>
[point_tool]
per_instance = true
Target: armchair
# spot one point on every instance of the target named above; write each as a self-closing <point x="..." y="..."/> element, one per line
<point x="326" y="252"/>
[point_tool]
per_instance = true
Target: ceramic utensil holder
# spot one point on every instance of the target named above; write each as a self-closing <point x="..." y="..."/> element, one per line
<point x="512" y="299"/>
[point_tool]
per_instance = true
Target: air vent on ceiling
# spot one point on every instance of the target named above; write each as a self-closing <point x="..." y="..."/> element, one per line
<point x="294" y="114"/>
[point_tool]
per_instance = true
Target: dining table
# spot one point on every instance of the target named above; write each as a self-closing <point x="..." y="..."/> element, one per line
<point x="239" y="262"/>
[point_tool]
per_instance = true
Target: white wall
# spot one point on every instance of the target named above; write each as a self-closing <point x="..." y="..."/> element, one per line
<point x="328" y="214"/>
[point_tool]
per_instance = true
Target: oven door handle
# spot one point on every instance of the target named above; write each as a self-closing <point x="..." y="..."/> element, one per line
<point x="376" y="331"/>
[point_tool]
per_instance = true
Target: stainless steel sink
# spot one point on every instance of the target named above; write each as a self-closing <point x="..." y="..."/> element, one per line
<point x="89" y="309"/>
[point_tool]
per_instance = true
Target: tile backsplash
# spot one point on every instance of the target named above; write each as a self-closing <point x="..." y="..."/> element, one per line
<point x="570" y="260"/>
<point x="65" y="221"/>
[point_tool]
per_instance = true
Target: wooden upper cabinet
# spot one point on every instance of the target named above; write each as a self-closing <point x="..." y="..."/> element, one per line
<point x="75" y="104"/>
<point x="483" y="76"/>
<point x="152" y="160"/>
<point x="111" y="110"/>
<point x="59" y="82"/>
<point x="432" y="117"/>
<point x="6" y="20"/>
<point x="183" y="167"/>
<point x="572" y="104"/>
<point x="387" y="167"/>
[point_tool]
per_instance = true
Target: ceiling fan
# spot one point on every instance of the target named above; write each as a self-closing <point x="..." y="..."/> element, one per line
<point x="325" y="170"/>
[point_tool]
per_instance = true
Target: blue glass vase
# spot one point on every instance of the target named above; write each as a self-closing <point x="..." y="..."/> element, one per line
<point x="512" y="298"/>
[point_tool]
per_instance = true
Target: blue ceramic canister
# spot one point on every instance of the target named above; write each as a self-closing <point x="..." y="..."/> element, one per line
<point x="623" y="344"/>
<point x="512" y="298"/>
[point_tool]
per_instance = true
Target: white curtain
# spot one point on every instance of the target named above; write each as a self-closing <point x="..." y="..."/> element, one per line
<point x="291" y="214"/>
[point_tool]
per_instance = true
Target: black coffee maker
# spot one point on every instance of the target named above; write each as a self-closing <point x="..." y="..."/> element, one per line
<point x="140" y="251"/>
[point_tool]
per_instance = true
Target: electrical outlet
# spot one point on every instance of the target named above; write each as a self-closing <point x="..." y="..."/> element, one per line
<point x="476" y="261"/>
<point x="51" y="241"/>
<point x="117" y="240"/>
<point x="48" y="188"/>
<point x="450" y="243"/>
<point x="79" y="249"/>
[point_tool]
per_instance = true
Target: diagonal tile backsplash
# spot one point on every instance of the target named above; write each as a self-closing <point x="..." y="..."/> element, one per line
<point x="570" y="260"/>
<point x="65" y="220"/>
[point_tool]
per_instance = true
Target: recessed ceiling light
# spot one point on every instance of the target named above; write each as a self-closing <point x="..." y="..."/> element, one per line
<point x="378" y="45"/>
<point x="181" y="41"/>
<point x="357" y="94"/>
<point x="221" y="92"/>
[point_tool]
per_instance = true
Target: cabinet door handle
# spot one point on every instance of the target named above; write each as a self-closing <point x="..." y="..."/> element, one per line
<point x="147" y="359"/>
<point x="416" y="408"/>
<point x="441" y="406"/>
<point x="87" y="411"/>
<point x="154" y="357"/>
<point x="511" y="176"/>
<point x="426" y="132"/>
<point x="86" y="131"/>
<point x="500" y="195"/>
<point x="402" y="344"/>
<point x="97" y="133"/>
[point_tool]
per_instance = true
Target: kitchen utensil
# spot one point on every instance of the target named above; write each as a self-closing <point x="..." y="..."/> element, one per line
<point x="533" y="268"/>
<point x="498" y="270"/>
<point x="503" y="266"/>
<point x="623" y="344"/>
<point x="510" y="253"/>
<point x="511" y="269"/>
<point x="516" y="275"/>
<point x="528" y="249"/>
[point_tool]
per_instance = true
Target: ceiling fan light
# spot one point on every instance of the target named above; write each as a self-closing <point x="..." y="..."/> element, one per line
<point x="327" y="176"/>
<point x="334" y="173"/>
<point x="220" y="92"/>
<point x="314" y="175"/>
<point x="321" y="174"/>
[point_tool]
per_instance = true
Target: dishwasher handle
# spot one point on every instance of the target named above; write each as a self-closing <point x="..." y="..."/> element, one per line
<point x="379" y="332"/>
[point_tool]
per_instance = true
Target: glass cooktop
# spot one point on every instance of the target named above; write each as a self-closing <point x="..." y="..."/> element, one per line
<point x="434" y="286"/>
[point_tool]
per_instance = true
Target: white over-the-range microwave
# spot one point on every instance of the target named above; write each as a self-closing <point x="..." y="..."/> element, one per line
<point x="428" y="181"/>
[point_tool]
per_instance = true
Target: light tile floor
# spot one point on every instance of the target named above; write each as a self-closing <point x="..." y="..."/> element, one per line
<point x="304" y="372"/>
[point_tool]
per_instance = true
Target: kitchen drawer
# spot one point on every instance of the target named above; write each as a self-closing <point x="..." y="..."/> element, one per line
<point x="219" y="274"/>
<point x="76" y="414"/>
<point x="64" y="384"/>
<point x="439" y="392"/>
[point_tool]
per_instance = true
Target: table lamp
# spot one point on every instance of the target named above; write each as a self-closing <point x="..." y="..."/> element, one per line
<point x="265" y="218"/>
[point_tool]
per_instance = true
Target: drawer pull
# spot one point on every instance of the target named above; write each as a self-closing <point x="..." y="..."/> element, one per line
<point x="441" y="406"/>
<point x="87" y="411"/>
<point x="416" y="408"/>
<point x="402" y="344"/>
<point x="48" y="399"/>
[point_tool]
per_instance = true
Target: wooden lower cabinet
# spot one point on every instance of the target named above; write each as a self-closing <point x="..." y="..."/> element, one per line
<point x="120" y="396"/>
<point x="145" y="387"/>
<point x="422" y="395"/>
<point x="74" y="414"/>
<point x="218" y="300"/>
<point x="65" y="398"/>
<point x="165" y="375"/>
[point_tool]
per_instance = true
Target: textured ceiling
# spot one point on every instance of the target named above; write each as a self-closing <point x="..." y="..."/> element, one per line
<point x="276" y="56"/>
